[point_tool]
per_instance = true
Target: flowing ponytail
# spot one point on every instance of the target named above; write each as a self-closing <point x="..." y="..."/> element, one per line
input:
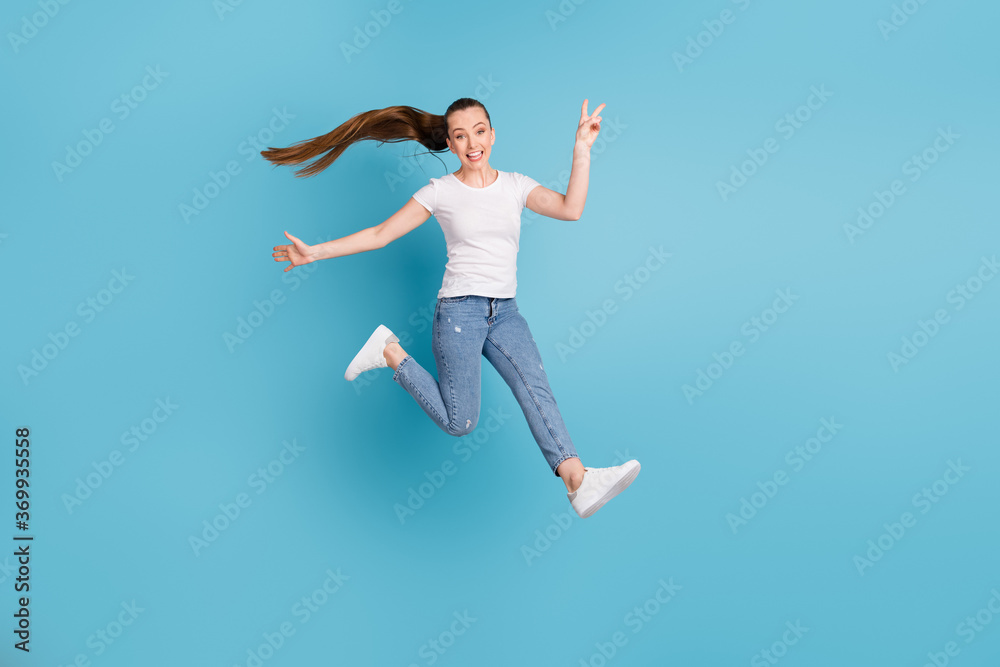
<point x="391" y="124"/>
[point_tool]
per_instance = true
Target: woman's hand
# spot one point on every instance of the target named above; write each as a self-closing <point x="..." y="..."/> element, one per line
<point x="297" y="252"/>
<point x="590" y="125"/>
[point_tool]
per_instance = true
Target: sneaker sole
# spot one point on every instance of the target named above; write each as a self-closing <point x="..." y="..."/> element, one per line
<point x="619" y="486"/>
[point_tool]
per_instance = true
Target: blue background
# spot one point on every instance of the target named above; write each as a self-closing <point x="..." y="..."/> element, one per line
<point x="672" y="131"/>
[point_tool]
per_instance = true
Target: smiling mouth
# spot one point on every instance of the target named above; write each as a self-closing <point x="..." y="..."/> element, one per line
<point x="474" y="156"/>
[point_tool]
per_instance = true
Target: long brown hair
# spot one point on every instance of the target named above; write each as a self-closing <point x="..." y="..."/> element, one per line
<point x="391" y="124"/>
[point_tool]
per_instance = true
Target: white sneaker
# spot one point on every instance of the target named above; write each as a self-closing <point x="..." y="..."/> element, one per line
<point x="601" y="485"/>
<point x="370" y="356"/>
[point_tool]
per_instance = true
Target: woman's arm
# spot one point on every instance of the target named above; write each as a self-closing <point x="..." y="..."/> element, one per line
<point x="405" y="220"/>
<point x="567" y="206"/>
<point x="550" y="203"/>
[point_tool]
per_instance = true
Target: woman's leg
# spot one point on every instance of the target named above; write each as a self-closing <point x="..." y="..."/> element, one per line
<point x="512" y="350"/>
<point x="457" y="336"/>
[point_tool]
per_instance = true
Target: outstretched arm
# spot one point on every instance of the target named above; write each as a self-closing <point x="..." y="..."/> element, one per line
<point x="405" y="220"/>
<point x="569" y="206"/>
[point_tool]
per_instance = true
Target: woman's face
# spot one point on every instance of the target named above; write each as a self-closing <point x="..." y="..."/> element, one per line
<point x="469" y="131"/>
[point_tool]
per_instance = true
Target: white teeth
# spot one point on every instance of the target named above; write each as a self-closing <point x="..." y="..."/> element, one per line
<point x="476" y="154"/>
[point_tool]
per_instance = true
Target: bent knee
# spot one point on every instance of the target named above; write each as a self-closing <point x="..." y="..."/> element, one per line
<point x="463" y="428"/>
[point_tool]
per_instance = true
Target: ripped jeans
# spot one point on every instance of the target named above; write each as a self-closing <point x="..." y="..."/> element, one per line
<point x="465" y="328"/>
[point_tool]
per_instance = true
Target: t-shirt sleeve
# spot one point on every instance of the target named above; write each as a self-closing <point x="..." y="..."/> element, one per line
<point x="525" y="185"/>
<point x="427" y="196"/>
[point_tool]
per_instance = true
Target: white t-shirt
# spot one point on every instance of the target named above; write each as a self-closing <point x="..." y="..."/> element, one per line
<point x="482" y="227"/>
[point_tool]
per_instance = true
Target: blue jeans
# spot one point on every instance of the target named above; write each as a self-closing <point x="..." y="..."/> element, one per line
<point x="464" y="328"/>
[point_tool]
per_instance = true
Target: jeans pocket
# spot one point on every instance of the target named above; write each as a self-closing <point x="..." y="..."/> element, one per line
<point x="453" y="299"/>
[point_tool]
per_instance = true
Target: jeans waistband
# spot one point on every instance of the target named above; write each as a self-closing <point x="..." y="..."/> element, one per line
<point x="492" y="305"/>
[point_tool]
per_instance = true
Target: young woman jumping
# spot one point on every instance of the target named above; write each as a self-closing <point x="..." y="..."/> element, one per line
<point x="479" y="210"/>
